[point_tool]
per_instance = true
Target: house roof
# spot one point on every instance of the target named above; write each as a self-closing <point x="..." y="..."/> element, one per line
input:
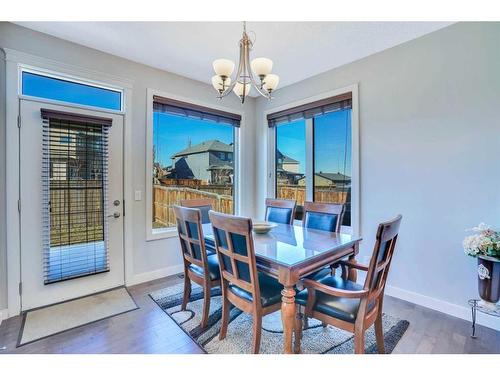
<point x="212" y="145"/>
<point x="286" y="159"/>
<point x="335" y="177"/>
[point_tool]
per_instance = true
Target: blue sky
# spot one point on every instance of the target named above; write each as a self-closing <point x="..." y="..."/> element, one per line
<point x="57" y="89"/>
<point x="172" y="134"/>
<point x="330" y="133"/>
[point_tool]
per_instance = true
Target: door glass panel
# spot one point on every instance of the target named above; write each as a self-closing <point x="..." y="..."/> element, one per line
<point x="291" y="162"/>
<point x="74" y="178"/>
<point x="72" y="92"/>
<point x="332" y="159"/>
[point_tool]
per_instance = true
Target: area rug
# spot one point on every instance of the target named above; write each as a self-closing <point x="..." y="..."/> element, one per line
<point x="47" y="321"/>
<point x="316" y="339"/>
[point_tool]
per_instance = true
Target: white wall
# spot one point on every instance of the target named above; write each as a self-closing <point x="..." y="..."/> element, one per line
<point x="150" y="259"/>
<point x="429" y="149"/>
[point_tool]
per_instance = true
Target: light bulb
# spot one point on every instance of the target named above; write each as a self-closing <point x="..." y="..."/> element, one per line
<point x="271" y="82"/>
<point x="219" y="84"/>
<point x="223" y="67"/>
<point x="261" y="66"/>
<point x="238" y="89"/>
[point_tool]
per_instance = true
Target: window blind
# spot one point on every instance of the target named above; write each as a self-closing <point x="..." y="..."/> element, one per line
<point x="310" y="110"/>
<point x="74" y="195"/>
<point x="179" y="108"/>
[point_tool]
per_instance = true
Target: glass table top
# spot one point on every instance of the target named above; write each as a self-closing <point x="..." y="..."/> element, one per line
<point x="289" y="245"/>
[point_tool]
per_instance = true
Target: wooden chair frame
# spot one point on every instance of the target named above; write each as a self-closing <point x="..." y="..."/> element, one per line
<point x="243" y="226"/>
<point x="193" y="215"/>
<point x="325" y="208"/>
<point x="373" y="291"/>
<point x="198" y="202"/>
<point x="282" y="203"/>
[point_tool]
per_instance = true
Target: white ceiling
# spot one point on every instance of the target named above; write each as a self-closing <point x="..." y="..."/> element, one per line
<point x="299" y="49"/>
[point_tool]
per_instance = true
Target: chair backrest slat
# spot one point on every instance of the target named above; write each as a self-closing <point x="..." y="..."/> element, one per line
<point x="235" y="249"/>
<point x="204" y="204"/>
<point x="280" y="210"/>
<point x="191" y="236"/>
<point x="378" y="270"/>
<point x="323" y="216"/>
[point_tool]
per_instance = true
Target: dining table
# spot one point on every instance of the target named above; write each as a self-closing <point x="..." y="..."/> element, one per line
<point x="291" y="252"/>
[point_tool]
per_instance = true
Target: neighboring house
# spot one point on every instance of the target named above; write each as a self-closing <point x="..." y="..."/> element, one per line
<point x="70" y="158"/>
<point x="287" y="169"/>
<point x="209" y="161"/>
<point x="325" y="179"/>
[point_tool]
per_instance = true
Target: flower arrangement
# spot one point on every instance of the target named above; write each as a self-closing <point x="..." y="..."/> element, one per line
<point x="485" y="241"/>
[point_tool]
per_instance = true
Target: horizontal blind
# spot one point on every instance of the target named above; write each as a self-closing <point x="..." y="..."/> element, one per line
<point x="74" y="195"/>
<point x="176" y="107"/>
<point x="311" y="110"/>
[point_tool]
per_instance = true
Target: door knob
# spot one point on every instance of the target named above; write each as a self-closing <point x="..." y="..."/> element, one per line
<point x="116" y="215"/>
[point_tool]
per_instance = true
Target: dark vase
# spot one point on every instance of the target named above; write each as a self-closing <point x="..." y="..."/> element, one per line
<point x="488" y="277"/>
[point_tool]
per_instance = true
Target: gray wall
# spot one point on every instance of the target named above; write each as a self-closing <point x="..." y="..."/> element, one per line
<point x="429" y="149"/>
<point x="147" y="256"/>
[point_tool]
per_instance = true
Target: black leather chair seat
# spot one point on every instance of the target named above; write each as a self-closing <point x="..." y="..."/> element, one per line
<point x="270" y="291"/>
<point x="341" y="308"/>
<point x="213" y="268"/>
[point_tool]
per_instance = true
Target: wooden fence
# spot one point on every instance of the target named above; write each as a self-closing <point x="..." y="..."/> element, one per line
<point x="76" y="212"/>
<point x="164" y="197"/>
<point x="298" y="193"/>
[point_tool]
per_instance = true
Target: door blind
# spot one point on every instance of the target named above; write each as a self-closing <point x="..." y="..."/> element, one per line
<point x="75" y="195"/>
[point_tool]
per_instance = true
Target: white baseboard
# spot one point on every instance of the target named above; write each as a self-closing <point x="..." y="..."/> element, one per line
<point x="462" y="312"/>
<point x="156" y="274"/>
<point x="4" y="314"/>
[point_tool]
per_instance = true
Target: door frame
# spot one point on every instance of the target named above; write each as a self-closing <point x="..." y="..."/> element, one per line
<point x="15" y="61"/>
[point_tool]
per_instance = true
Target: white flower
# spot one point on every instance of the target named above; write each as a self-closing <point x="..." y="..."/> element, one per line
<point x="481" y="228"/>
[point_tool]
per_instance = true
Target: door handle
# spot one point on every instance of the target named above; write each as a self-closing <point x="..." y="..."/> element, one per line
<point x="116" y="215"/>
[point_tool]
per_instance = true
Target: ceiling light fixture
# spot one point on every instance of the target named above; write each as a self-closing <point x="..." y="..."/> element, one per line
<point x="244" y="80"/>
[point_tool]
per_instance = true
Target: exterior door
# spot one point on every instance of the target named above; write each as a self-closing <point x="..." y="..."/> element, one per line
<point x="71" y="202"/>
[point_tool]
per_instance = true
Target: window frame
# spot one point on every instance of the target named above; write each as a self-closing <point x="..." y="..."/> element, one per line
<point x="162" y="233"/>
<point x="69" y="78"/>
<point x="355" y="227"/>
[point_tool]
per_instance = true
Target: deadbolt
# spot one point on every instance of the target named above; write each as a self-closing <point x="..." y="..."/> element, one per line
<point x="116" y="202"/>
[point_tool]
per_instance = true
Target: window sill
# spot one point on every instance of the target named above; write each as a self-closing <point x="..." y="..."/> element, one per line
<point x="161" y="234"/>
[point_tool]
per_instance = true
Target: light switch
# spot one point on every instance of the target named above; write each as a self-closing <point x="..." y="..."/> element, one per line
<point x="138" y="195"/>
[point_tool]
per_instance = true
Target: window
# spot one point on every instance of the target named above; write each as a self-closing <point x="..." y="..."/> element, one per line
<point x="313" y="153"/>
<point x="291" y="162"/>
<point x="193" y="157"/>
<point x="68" y="91"/>
<point x="74" y="190"/>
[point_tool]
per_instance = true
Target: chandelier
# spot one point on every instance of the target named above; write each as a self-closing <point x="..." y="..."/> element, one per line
<point x="244" y="79"/>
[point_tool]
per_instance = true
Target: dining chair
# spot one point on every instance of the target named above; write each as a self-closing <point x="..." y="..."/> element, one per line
<point x="242" y="286"/>
<point x="323" y="216"/>
<point x="347" y="305"/>
<point x="327" y="217"/>
<point x="280" y="211"/>
<point x="203" y="204"/>
<point x="199" y="266"/>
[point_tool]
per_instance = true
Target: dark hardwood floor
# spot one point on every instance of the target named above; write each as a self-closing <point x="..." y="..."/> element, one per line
<point x="150" y="330"/>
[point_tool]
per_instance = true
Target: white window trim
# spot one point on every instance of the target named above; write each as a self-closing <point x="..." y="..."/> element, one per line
<point x="158" y="234"/>
<point x="355" y="227"/>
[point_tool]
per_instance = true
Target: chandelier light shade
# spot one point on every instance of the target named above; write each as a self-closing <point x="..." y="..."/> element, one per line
<point x="261" y="67"/>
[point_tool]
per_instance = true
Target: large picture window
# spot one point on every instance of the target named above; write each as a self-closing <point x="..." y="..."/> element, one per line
<point x="193" y="157"/>
<point x="313" y="153"/>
